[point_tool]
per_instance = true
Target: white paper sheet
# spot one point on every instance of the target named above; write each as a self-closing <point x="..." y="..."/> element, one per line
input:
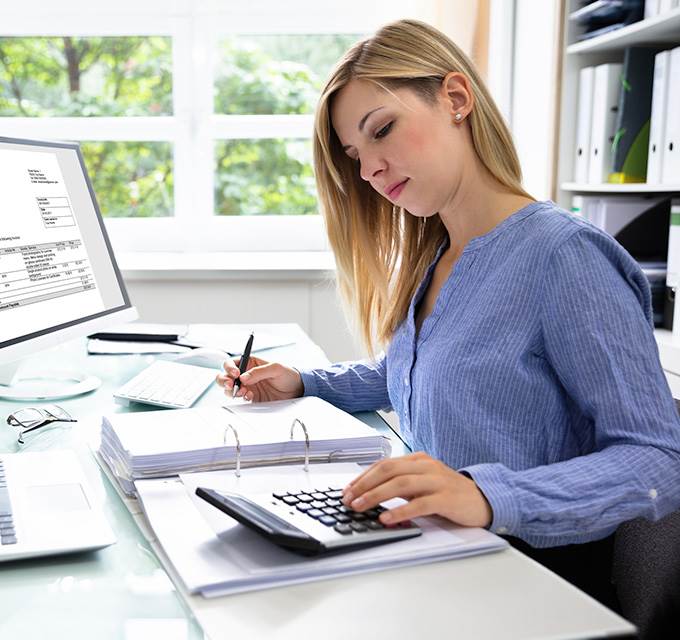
<point x="215" y="555"/>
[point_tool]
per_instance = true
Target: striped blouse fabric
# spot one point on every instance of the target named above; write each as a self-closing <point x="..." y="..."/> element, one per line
<point x="538" y="374"/>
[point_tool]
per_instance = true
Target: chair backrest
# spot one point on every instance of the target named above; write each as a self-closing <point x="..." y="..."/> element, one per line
<point x="646" y="574"/>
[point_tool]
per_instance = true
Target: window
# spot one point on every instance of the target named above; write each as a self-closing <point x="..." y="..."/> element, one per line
<point x="195" y="117"/>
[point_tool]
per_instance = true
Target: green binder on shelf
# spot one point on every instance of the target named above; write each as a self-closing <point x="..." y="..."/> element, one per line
<point x="631" y="141"/>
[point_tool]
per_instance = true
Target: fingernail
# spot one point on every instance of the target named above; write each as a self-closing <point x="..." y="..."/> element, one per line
<point x="386" y="516"/>
<point x="245" y="377"/>
<point x="358" y="503"/>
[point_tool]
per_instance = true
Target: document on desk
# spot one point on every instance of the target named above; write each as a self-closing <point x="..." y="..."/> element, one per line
<point x="228" y="339"/>
<point x="153" y="444"/>
<point x="231" y="339"/>
<point x="214" y="555"/>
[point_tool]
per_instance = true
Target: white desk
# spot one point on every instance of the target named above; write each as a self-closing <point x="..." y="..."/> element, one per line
<point x="123" y="591"/>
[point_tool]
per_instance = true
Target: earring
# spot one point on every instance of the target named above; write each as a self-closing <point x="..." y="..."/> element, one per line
<point x="459" y="117"/>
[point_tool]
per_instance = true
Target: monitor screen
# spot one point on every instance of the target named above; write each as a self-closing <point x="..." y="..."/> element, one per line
<point x="57" y="268"/>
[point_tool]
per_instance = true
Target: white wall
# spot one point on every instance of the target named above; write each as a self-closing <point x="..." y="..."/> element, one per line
<point x="534" y="92"/>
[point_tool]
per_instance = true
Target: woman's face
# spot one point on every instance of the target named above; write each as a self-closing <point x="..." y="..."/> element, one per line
<point x="410" y="151"/>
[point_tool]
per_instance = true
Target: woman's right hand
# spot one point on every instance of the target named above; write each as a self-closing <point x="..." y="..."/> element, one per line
<point x="263" y="381"/>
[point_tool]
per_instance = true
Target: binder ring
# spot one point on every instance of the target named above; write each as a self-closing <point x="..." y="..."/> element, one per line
<point x="238" y="447"/>
<point x="304" y="429"/>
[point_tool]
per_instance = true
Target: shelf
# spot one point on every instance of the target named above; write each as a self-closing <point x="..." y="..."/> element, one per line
<point x="664" y="28"/>
<point x="639" y="187"/>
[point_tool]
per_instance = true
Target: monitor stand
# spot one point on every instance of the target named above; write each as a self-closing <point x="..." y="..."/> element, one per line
<point x="53" y="386"/>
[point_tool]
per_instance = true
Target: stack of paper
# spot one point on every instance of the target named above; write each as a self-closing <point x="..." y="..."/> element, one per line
<point x="212" y="554"/>
<point x="154" y="444"/>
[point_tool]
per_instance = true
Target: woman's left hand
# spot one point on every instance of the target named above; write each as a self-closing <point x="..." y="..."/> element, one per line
<point x="429" y="486"/>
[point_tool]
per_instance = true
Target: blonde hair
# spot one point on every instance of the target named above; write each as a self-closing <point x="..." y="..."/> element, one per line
<point x="382" y="251"/>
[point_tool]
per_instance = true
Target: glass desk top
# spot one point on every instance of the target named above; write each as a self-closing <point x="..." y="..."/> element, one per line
<point x="122" y="591"/>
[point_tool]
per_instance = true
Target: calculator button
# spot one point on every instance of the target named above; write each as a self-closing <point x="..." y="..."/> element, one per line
<point x="343" y="509"/>
<point x="318" y="504"/>
<point x="358" y="527"/>
<point x="371" y="513"/>
<point x="329" y="521"/>
<point x="319" y="496"/>
<point x="303" y="497"/>
<point x="335" y="495"/>
<point x="374" y="524"/>
<point x="279" y="494"/>
<point x="304" y="507"/>
<point x="333" y="503"/>
<point x="341" y="517"/>
<point x="316" y="513"/>
<point x="290" y="500"/>
<point x="343" y="528"/>
<point x="358" y="517"/>
<point x="329" y="510"/>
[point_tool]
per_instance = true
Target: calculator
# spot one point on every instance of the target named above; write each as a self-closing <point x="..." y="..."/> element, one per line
<point x="309" y="522"/>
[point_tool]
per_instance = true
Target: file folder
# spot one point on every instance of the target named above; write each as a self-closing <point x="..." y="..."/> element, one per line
<point x="657" y="128"/>
<point x="584" y="123"/>
<point x="606" y="88"/>
<point x="671" y="152"/>
<point x="631" y="141"/>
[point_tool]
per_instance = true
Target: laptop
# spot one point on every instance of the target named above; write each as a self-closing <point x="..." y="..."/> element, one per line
<point x="47" y="507"/>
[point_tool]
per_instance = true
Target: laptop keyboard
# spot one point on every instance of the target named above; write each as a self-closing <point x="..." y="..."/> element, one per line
<point x="8" y="533"/>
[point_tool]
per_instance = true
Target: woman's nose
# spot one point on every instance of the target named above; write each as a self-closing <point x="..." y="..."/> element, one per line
<point x="370" y="168"/>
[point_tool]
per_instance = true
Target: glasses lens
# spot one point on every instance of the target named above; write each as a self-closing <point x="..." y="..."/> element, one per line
<point x="55" y="412"/>
<point x="26" y="417"/>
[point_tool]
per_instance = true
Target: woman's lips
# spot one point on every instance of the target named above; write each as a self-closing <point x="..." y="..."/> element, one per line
<point x="394" y="192"/>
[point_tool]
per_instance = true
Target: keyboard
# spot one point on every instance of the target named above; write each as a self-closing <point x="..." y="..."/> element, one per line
<point x="310" y="522"/>
<point x="8" y="533"/>
<point x="167" y="384"/>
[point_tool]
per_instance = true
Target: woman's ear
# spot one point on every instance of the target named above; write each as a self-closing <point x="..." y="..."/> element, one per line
<point x="457" y="95"/>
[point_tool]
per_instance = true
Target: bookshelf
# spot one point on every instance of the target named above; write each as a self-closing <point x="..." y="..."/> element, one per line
<point x="661" y="30"/>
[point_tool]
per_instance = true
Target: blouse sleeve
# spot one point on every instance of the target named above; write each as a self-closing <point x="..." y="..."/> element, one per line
<point x="599" y="340"/>
<point x="351" y="386"/>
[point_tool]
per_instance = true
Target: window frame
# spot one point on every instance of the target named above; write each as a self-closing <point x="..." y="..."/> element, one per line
<point x="195" y="27"/>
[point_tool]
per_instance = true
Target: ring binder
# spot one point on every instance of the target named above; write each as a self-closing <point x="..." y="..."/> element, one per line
<point x="238" y="447"/>
<point x="304" y="429"/>
<point x="158" y="444"/>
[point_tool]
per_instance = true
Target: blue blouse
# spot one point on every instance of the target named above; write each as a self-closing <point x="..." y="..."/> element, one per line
<point x="538" y="374"/>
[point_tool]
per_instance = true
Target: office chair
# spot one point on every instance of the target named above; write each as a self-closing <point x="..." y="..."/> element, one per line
<point x="646" y="574"/>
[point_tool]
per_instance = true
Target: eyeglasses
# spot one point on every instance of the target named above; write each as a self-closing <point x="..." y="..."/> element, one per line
<point x="32" y="418"/>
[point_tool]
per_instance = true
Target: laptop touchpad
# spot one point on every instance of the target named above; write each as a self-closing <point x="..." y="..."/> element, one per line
<point x="57" y="497"/>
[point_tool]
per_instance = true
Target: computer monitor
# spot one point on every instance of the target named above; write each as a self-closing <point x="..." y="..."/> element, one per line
<point x="58" y="276"/>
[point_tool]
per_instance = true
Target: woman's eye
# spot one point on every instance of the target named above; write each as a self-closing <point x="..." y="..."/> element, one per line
<point x="384" y="131"/>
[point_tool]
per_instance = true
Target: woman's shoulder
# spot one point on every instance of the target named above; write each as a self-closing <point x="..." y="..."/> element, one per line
<point x="551" y="227"/>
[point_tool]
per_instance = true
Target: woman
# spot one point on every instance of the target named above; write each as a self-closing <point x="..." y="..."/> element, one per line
<point x="520" y="355"/>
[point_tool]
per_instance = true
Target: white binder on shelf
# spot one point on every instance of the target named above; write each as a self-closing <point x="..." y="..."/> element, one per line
<point x="651" y="8"/>
<point x="658" y="118"/>
<point x="666" y="5"/>
<point x="673" y="263"/>
<point x="606" y="87"/>
<point x="670" y="171"/>
<point x="586" y="78"/>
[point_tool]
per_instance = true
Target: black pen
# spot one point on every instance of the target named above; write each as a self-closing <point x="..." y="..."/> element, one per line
<point x="243" y="364"/>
